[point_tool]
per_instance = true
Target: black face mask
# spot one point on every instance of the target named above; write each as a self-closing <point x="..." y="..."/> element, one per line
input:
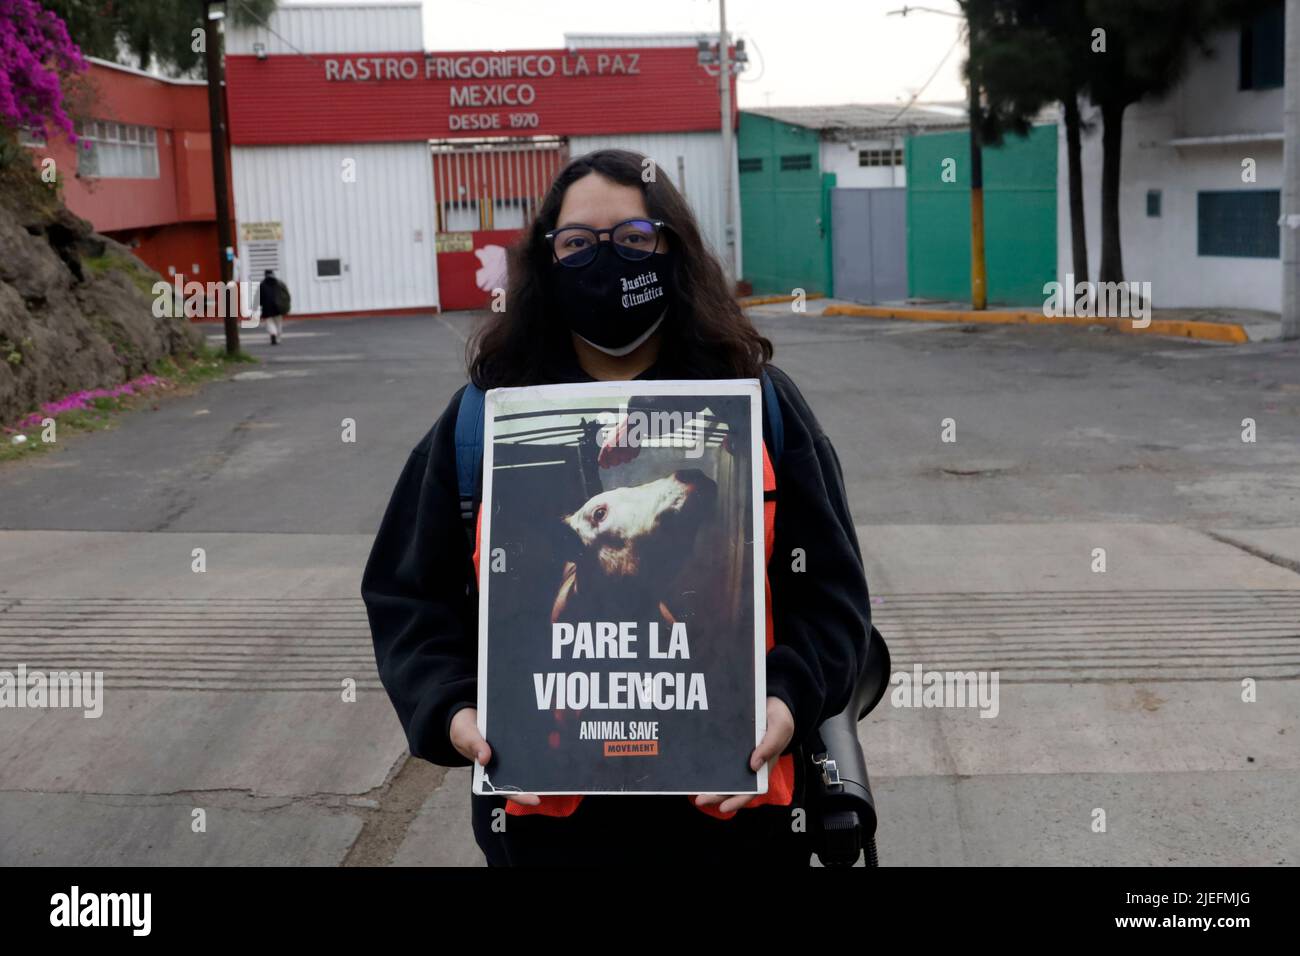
<point x="612" y="302"/>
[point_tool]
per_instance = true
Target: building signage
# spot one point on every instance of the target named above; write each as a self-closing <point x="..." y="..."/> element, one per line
<point x="480" y="66"/>
<point x="261" y="231"/>
<point x="478" y="106"/>
<point x="454" y="242"/>
<point x="370" y="97"/>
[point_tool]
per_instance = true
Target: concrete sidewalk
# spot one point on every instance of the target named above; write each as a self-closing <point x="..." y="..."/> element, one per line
<point x="1224" y="326"/>
<point x="223" y="692"/>
<point x="1119" y="691"/>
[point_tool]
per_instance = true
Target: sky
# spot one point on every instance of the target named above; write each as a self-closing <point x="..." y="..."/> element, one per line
<point x="802" y="52"/>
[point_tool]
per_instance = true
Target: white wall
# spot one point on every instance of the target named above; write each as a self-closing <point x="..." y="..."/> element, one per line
<point x="701" y="156"/>
<point x="334" y="28"/>
<point x="842" y="160"/>
<point x="1163" y="250"/>
<point x="1208" y="102"/>
<point x="381" y="225"/>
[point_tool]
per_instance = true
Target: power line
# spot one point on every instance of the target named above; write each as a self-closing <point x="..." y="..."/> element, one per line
<point x="917" y="94"/>
<point x="762" y="68"/>
<point x="249" y="10"/>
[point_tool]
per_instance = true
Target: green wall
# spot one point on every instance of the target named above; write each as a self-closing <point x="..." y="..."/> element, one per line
<point x="1019" y="217"/>
<point x="785" y="225"/>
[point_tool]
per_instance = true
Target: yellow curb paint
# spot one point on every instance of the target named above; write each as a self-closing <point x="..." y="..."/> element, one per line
<point x="1230" y="332"/>
<point x="769" y="299"/>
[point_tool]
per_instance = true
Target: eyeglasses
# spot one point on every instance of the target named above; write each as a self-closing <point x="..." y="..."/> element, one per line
<point x="634" y="239"/>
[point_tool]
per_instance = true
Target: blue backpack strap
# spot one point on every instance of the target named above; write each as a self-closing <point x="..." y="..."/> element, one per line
<point x="469" y="448"/>
<point x="773" y="427"/>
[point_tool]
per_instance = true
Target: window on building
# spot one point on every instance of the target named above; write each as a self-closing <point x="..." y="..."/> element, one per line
<point x="1240" y="223"/>
<point x="880" y="157"/>
<point x="329" y="268"/>
<point x="27" y="138"/>
<point x="117" y="151"/>
<point x="1153" y="203"/>
<point x="1262" y="49"/>
<point x="753" y="165"/>
<point x="796" y="161"/>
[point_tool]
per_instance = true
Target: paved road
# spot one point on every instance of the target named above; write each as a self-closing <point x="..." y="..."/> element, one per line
<point x="1120" y="691"/>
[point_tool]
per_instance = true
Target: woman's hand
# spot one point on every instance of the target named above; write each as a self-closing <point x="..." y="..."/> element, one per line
<point x="469" y="743"/>
<point x="780" y="729"/>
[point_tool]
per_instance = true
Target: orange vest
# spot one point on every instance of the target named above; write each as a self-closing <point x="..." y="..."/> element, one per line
<point x="780" y="778"/>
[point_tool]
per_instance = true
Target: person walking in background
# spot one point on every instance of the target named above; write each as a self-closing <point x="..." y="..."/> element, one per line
<point x="272" y="296"/>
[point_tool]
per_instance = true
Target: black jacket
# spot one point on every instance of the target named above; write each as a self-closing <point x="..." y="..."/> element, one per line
<point x="268" y="296"/>
<point x="423" y="609"/>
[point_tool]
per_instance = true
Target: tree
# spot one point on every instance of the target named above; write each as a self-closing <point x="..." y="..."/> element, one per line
<point x="156" y="34"/>
<point x="1142" y="51"/>
<point x="1146" y="48"/>
<point x="35" y="51"/>
<point x="1029" y="54"/>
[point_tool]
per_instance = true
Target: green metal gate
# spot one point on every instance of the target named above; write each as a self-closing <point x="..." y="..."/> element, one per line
<point x="784" y="207"/>
<point x="1019" y="217"/>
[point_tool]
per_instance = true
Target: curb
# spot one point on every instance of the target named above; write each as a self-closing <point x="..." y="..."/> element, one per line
<point x="1229" y="332"/>
<point x="747" y="301"/>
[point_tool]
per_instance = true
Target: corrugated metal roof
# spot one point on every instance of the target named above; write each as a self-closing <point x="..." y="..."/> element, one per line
<point x="858" y="118"/>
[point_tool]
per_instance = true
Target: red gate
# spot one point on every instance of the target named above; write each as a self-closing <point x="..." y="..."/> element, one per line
<point x="485" y="192"/>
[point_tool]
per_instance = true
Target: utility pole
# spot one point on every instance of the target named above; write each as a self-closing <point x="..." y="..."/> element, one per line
<point x="978" y="276"/>
<point x="212" y="17"/>
<point x="1290" y="224"/>
<point x="724" y="81"/>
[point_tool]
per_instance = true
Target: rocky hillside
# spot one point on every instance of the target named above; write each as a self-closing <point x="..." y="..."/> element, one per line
<point x="76" y="308"/>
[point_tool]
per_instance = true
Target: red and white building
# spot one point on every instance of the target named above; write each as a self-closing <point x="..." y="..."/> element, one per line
<point x="376" y="177"/>
<point x="142" y="171"/>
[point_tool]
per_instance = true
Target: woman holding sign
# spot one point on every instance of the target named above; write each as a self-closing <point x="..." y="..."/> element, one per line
<point x="613" y="282"/>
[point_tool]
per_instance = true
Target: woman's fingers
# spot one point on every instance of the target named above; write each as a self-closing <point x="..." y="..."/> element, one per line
<point x="732" y="804"/>
<point x="780" y="729"/>
<point x="726" y="803"/>
<point x="469" y="743"/>
<point x="527" y="799"/>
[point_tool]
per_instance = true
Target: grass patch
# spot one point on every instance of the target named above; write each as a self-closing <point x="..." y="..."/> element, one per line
<point x="132" y="268"/>
<point x="97" y="409"/>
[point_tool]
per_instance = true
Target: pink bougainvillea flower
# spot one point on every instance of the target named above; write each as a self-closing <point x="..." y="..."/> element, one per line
<point x="35" y="52"/>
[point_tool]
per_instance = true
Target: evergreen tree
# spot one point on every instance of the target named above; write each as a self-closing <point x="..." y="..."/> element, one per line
<point x="149" y="34"/>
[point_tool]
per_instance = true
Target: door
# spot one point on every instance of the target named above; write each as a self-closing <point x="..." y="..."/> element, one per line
<point x="869" y="244"/>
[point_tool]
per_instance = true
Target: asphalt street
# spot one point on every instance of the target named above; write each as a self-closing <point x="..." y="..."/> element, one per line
<point x="226" y="691"/>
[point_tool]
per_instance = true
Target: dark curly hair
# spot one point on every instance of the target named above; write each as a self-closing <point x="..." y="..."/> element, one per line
<point x="705" y="334"/>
